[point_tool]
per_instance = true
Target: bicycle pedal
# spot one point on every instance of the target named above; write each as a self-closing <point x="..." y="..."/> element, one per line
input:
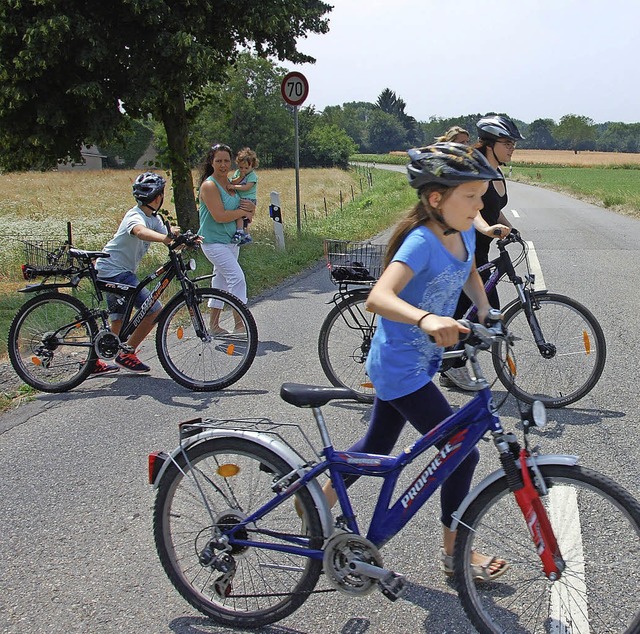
<point x="393" y="586"/>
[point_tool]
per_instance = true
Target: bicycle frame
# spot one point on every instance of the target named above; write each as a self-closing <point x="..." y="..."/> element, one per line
<point x="166" y="272"/>
<point x="170" y="270"/>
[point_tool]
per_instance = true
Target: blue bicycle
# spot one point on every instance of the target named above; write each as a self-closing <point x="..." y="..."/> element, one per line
<point x="244" y="531"/>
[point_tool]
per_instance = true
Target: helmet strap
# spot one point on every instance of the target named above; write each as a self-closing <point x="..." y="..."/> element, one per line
<point x="494" y="154"/>
<point x="155" y="210"/>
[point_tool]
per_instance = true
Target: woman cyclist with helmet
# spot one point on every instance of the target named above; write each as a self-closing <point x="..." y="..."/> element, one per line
<point x="497" y="138"/>
<point x="429" y="262"/>
<point x="139" y="227"/>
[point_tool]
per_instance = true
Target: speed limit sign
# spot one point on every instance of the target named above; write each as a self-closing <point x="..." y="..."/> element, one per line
<point x="294" y="88"/>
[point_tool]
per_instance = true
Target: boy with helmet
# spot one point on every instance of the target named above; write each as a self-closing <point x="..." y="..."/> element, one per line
<point x="429" y="261"/>
<point x="497" y="140"/>
<point x="139" y="227"/>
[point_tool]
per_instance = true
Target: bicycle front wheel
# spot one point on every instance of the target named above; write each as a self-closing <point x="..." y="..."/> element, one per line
<point x="571" y="362"/>
<point x="344" y="343"/>
<point x="597" y="526"/>
<point x="216" y="359"/>
<point x="50" y="342"/>
<point x="223" y="481"/>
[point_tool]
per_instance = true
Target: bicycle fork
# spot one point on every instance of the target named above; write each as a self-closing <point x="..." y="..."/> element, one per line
<point x="527" y="496"/>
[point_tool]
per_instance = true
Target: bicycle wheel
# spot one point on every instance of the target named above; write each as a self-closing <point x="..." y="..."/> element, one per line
<point x="50" y="343"/>
<point x="235" y="477"/>
<point x="597" y="525"/>
<point x="574" y="361"/>
<point x="210" y="363"/>
<point x="344" y="342"/>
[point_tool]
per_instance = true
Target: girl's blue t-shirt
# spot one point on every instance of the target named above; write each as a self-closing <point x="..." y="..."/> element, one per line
<point x="402" y="358"/>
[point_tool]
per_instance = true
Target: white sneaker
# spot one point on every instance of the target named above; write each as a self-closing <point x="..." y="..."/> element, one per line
<point x="462" y="379"/>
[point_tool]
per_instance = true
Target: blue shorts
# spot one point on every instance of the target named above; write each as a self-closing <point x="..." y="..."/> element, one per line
<point x="116" y="303"/>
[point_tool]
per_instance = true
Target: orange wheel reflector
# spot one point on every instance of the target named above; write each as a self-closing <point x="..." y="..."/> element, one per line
<point x="180" y="332"/>
<point x="36" y="361"/>
<point x="512" y="365"/>
<point x="228" y="470"/>
<point x="230" y="349"/>
<point x="368" y="384"/>
<point x="587" y="342"/>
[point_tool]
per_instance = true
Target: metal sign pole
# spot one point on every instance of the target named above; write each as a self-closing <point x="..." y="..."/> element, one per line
<point x="295" y="88"/>
<point x="297" y="166"/>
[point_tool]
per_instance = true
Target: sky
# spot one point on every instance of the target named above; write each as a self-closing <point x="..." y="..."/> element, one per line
<point x="531" y="59"/>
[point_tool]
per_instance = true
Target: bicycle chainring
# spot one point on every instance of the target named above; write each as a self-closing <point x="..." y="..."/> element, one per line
<point x="340" y="550"/>
<point x="107" y="344"/>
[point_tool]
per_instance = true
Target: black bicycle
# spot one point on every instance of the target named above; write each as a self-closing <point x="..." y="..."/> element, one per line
<point x="556" y="353"/>
<point x="55" y="338"/>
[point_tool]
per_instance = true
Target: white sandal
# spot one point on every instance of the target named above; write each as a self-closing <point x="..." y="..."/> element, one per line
<point x="481" y="572"/>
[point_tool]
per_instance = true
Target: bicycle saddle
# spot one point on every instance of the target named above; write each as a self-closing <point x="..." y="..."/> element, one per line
<point x="313" y="395"/>
<point x="81" y="254"/>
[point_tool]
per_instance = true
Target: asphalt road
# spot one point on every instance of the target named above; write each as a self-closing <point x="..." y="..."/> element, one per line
<point x="76" y="548"/>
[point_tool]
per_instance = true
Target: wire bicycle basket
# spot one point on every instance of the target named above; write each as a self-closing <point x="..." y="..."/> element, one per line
<point x="47" y="257"/>
<point x="351" y="262"/>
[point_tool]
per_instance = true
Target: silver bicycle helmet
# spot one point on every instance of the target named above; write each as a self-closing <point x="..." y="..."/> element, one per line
<point x="448" y="164"/>
<point x="498" y="127"/>
<point x="148" y="187"/>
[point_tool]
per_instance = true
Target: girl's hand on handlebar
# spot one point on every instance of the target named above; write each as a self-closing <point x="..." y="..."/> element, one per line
<point x="444" y="331"/>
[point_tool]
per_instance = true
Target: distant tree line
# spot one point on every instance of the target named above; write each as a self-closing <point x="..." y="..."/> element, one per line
<point x="248" y="110"/>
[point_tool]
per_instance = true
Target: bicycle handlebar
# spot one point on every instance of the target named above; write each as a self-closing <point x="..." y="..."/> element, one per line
<point x="514" y="236"/>
<point x="188" y="239"/>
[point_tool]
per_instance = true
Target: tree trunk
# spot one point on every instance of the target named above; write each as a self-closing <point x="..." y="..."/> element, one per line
<point x="174" y="119"/>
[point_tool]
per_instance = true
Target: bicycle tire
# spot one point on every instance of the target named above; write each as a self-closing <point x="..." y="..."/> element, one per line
<point x="574" y="369"/>
<point x="221" y="360"/>
<point x="344" y="342"/>
<point x="267" y="585"/>
<point x="50" y="342"/>
<point x="597" y="525"/>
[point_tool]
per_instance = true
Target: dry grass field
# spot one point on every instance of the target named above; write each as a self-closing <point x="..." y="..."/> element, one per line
<point x="569" y="158"/>
<point x="566" y="157"/>
<point x="39" y="204"/>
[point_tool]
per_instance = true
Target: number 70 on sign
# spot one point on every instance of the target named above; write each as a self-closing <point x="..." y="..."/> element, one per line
<point x="294" y="88"/>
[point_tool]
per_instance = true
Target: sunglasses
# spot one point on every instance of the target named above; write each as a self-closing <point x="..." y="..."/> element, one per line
<point x="220" y="146"/>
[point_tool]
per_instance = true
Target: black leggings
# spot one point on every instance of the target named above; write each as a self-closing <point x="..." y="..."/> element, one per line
<point x="424" y="409"/>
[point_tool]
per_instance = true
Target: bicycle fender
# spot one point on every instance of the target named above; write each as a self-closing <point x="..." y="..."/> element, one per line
<point x="556" y="459"/>
<point x="287" y="453"/>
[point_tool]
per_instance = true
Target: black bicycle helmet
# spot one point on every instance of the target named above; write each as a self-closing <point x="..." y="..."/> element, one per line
<point x="148" y="187"/>
<point x="498" y="127"/>
<point x="448" y="164"/>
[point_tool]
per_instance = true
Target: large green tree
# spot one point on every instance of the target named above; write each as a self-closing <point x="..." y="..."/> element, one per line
<point x="576" y="132"/>
<point x="540" y="135"/>
<point x="393" y="105"/>
<point x="245" y="110"/>
<point x="75" y="72"/>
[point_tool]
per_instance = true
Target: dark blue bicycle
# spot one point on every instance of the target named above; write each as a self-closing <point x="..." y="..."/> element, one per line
<point x="556" y="355"/>
<point x="237" y="547"/>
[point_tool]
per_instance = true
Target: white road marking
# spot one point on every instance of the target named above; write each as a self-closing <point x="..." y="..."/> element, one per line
<point x="568" y="602"/>
<point x="515" y="213"/>
<point x="536" y="269"/>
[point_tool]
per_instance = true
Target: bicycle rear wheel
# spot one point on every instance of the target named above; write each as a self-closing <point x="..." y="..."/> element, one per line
<point x="50" y="342"/>
<point x="344" y="342"/>
<point x="216" y="361"/>
<point x="597" y="525"/>
<point x="235" y="477"/>
<point x="574" y="358"/>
